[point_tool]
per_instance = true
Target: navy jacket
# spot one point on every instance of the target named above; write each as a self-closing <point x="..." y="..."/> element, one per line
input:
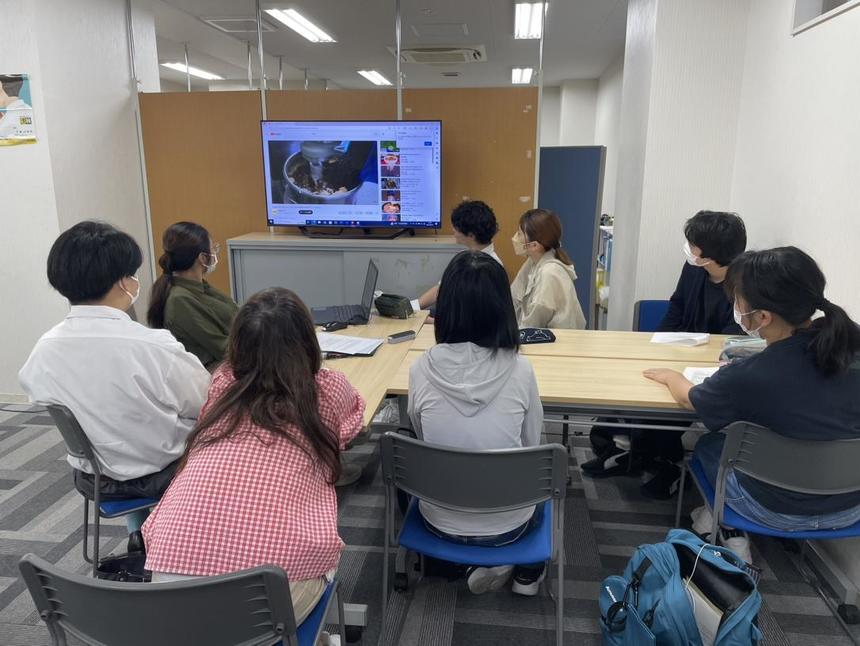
<point x="698" y="305"/>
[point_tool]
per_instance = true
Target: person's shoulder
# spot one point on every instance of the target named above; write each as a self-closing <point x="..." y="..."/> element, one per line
<point x="331" y="382"/>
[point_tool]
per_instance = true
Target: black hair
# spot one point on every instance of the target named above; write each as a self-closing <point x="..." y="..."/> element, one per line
<point x="475" y="304"/>
<point x="12" y="83"/>
<point x="788" y="282"/>
<point x="87" y="260"/>
<point x="183" y="243"/>
<point x="476" y="218"/>
<point x="721" y="236"/>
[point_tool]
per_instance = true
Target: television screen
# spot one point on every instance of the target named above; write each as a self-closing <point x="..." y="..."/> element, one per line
<point x="353" y="173"/>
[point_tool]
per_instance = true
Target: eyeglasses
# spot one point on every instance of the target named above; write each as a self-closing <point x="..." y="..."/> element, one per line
<point x="216" y="248"/>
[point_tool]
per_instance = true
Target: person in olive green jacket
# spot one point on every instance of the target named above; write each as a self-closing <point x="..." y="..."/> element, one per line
<point x="197" y="314"/>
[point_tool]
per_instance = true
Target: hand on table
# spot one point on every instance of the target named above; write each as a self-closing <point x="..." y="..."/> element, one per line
<point x="660" y="375"/>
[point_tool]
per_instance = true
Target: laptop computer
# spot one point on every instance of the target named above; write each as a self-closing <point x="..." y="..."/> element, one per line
<point x="353" y="314"/>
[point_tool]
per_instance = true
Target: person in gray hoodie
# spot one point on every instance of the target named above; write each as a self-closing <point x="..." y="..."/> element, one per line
<point x="473" y="390"/>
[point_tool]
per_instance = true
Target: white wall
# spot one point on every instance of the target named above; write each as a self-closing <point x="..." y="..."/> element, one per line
<point x="688" y="111"/>
<point x="28" y="216"/>
<point x="607" y="121"/>
<point x="577" y="112"/>
<point x="550" y="109"/>
<point x="85" y="164"/>
<point x="797" y="166"/>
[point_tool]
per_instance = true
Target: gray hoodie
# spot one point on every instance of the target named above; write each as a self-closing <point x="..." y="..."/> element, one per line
<point x="466" y="396"/>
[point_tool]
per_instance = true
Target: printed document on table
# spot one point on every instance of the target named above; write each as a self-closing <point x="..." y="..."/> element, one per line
<point x="342" y="344"/>
<point x="688" y="339"/>
<point x="698" y="375"/>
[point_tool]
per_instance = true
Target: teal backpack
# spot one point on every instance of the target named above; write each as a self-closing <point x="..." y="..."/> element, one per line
<point x="651" y="604"/>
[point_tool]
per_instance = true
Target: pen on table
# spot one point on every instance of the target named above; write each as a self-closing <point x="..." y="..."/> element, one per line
<point x="334" y="355"/>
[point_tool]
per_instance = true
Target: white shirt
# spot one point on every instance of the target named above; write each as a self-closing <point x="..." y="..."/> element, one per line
<point x="135" y="391"/>
<point x="490" y="250"/>
<point x="17" y="121"/>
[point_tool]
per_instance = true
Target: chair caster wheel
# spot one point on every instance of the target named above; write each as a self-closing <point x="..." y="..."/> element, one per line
<point x="401" y="583"/>
<point x="353" y="634"/>
<point x="850" y="614"/>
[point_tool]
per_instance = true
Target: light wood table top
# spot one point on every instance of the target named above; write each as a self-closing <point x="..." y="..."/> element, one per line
<point x="371" y="376"/>
<point x="607" y="345"/>
<point x="585" y="381"/>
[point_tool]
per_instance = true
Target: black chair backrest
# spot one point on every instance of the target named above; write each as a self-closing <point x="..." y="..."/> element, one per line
<point x="77" y="442"/>
<point x="820" y="467"/>
<point x="247" y="608"/>
<point x="478" y="481"/>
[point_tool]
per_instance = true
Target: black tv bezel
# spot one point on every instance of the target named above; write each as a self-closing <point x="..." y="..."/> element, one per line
<point x="374" y="225"/>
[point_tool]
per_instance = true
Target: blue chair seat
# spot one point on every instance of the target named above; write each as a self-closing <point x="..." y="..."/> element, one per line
<point x="732" y="519"/>
<point x="310" y="628"/>
<point x="114" y="508"/>
<point x="533" y="547"/>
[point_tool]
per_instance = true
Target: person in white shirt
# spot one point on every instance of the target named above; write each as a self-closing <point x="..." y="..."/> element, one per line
<point x="16" y="117"/>
<point x="136" y="392"/>
<point x="474" y="225"/>
<point x="473" y="390"/>
<point x="543" y="291"/>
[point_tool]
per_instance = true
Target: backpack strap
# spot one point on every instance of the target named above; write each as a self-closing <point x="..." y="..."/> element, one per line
<point x="635" y="582"/>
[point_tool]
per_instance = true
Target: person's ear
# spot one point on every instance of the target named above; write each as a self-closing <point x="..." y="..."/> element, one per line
<point x="765" y="318"/>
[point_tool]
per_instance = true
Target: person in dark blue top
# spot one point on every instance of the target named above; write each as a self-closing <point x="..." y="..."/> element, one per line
<point x="804" y="385"/>
<point x="713" y="239"/>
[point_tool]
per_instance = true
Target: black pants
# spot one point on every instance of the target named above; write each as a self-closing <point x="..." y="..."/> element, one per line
<point x="152" y="485"/>
<point x="648" y="445"/>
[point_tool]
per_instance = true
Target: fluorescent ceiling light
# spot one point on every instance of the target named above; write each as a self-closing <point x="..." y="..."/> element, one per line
<point x="374" y="77"/>
<point x="301" y="25"/>
<point x="521" y="75"/>
<point x="528" y="19"/>
<point x="193" y="71"/>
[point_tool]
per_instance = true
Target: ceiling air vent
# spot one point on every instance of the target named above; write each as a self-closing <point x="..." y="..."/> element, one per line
<point x="234" y="25"/>
<point x="443" y="55"/>
<point x="451" y="75"/>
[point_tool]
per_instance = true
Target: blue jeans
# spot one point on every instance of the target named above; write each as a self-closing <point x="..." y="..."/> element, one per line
<point x="496" y="540"/>
<point x="708" y="451"/>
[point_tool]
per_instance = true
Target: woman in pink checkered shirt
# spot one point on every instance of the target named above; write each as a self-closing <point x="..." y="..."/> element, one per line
<point x="256" y="484"/>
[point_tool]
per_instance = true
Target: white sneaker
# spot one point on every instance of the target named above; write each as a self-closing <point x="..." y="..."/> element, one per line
<point x="487" y="579"/>
<point x="740" y="545"/>
<point x="702" y="520"/>
<point x="526" y="585"/>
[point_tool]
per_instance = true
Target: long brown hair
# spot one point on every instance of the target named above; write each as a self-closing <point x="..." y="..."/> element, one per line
<point x="274" y="355"/>
<point x="183" y="243"/>
<point x="543" y="226"/>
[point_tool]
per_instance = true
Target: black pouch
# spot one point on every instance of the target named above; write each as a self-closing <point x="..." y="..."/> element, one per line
<point x="124" y="567"/>
<point x="393" y="306"/>
<point x="529" y="335"/>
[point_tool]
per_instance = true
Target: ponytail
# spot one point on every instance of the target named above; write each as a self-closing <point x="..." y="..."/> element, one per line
<point x="183" y="243"/>
<point x="160" y="291"/>
<point x="561" y="255"/>
<point x="837" y="339"/>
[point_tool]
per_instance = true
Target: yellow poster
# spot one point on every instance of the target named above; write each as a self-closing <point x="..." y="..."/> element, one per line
<point x="16" y="112"/>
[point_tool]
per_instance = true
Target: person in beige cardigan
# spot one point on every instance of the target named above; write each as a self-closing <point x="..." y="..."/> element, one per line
<point x="543" y="291"/>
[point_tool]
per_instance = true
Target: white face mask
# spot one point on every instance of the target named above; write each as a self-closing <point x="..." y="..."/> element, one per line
<point x="135" y="296"/>
<point x="519" y="241"/>
<point x="739" y="318"/>
<point x="693" y="259"/>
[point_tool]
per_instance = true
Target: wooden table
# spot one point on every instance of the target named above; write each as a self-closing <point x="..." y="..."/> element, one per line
<point x="601" y="344"/>
<point x="371" y="375"/>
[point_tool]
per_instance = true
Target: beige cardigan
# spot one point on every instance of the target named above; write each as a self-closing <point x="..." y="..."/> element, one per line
<point x="544" y="295"/>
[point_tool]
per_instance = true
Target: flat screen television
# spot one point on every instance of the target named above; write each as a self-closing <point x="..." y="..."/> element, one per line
<point x="359" y="174"/>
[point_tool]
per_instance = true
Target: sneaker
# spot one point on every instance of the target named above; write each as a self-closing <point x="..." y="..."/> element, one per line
<point x="486" y="579"/>
<point x="612" y="462"/>
<point x="738" y="542"/>
<point x="702" y="520"/>
<point x="527" y="581"/>
<point x="664" y="484"/>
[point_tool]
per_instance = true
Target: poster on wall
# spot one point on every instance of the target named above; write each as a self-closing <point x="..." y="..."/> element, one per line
<point x="16" y="112"/>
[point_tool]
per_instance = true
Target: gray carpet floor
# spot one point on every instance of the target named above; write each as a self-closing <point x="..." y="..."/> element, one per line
<point x="606" y="519"/>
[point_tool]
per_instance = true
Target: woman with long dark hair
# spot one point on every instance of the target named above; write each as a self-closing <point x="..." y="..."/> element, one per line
<point x="473" y="390"/>
<point x="183" y="302"/>
<point x="543" y="290"/>
<point x="256" y="483"/>
<point x="803" y="385"/>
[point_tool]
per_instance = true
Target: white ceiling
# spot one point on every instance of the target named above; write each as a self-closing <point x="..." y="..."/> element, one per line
<point x="583" y="37"/>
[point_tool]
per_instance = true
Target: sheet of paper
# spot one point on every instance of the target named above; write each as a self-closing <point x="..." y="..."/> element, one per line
<point x="698" y="375"/>
<point x="688" y="339"/>
<point x="347" y="344"/>
<point x="708" y="616"/>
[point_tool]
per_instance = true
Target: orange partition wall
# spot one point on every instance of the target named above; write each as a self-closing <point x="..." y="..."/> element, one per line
<point x="204" y="159"/>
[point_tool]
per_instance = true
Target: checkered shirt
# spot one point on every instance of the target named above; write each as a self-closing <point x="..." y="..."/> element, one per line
<point x="256" y="498"/>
